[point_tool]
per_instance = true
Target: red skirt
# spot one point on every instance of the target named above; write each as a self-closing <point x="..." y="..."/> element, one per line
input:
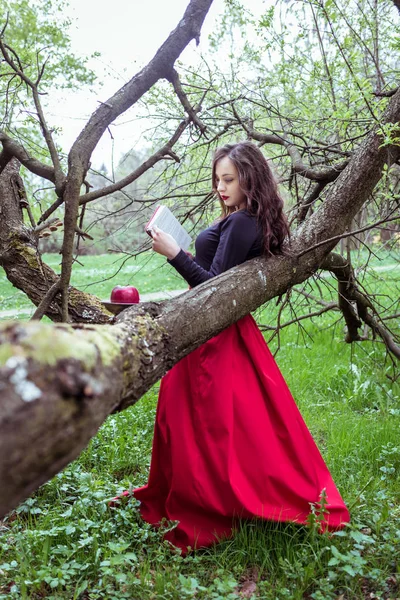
<point x="230" y="442"/>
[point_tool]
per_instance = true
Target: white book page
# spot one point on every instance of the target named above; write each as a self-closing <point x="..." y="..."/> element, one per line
<point x="165" y="220"/>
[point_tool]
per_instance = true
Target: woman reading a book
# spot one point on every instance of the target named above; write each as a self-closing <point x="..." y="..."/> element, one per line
<point x="229" y="440"/>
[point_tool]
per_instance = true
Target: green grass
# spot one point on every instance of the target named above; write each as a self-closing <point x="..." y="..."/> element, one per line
<point x="65" y="540"/>
<point x="65" y="543"/>
<point x="149" y="272"/>
<point x="98" y="275"/>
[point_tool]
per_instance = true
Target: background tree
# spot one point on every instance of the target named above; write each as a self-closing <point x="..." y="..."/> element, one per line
<point x="332" y="162"/>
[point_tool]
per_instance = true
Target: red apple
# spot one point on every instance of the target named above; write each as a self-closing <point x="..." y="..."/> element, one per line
<point x="125" y="294"/>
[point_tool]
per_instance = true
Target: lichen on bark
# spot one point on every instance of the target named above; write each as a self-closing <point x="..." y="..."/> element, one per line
<point x="47" y="343"/>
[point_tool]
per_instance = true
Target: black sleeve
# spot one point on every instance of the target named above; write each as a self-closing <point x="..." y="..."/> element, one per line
<point x="238" y="233"/>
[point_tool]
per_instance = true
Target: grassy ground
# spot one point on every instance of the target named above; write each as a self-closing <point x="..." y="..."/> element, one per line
<point x="148" y="272"/>
<point x="65" y="543"/>
<point x="98" y="275"/>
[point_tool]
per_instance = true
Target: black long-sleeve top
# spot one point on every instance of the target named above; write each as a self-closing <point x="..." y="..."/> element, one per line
<point x="224" y="245"/>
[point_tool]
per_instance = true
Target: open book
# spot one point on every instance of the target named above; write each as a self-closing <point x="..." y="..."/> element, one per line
<point x="165" y="220"/>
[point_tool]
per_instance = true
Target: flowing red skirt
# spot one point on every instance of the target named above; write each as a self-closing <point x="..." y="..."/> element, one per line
<point x="230" y="442"/>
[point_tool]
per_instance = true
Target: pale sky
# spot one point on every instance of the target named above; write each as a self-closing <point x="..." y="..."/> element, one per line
<point x="127" y="34"/>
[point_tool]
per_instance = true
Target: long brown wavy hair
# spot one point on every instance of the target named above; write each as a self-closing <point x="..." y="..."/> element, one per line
<point x="258" y="183"/>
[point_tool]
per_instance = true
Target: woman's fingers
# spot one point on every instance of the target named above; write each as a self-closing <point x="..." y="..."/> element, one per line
<point x="163" y="243"/>
<point x="156" y="233"/>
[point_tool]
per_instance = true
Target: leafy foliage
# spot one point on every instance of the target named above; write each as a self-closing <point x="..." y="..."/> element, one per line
<point x="36" y="36"/>
<point x="305" y="73"/>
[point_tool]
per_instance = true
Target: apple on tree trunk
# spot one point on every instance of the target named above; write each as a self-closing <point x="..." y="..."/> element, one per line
<point x="125" y="294"/>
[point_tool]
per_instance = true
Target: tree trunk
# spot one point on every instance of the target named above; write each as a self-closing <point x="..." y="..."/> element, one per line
<point x="22" y="262"/>
<point x="59" y="382"/>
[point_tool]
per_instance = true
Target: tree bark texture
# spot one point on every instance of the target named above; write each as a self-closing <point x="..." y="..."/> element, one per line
<point x="20" y="258"/>
<point x="58" y="383"/>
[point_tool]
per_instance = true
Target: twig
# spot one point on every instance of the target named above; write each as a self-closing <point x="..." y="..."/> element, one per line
<point x="329" y="306"/>
<point x="59" y="177"/>
<point x="47" y="300"/>
<point x="323" y="175"/>
<point x="387" y="94"/>
<point x="5" y="25"/>
<point x="82" y="233"/>
<point x="150" y="162"/>
<point x="348" y="234"/>
<point x="173" y="78"/>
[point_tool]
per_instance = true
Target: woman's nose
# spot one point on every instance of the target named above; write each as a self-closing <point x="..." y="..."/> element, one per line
<point x="220" y="186"/>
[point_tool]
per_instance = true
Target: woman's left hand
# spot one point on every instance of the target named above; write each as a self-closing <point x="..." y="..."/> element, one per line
<point x="164" y="243"/>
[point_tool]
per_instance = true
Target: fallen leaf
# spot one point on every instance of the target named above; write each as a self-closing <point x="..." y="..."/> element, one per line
<point x="247" y="589"/>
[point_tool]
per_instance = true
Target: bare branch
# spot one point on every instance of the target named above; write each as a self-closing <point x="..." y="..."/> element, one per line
<point x="5" y="25"/>
<point x="329" y="306"/>
<point x="150" y="162"/>
<point x="309" y="201"/>
<point x="32" y="164"/>
<point x="336" y="238"/>
<point x="40" y="227"/>
<point x="47" y="213"/>
<point x="323" y="175"/>
<point x="173" y="77"/>
<point x="47" y="300"/>
<point x="162" y="63"/>
<point x="384" y="334"/>
<point x="59" y="177"/>
<point x="82" y="233"/>
<point x="387" y="93"/>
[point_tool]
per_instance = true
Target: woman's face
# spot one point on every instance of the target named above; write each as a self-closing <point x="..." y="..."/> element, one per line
<point x="227" y="184"/>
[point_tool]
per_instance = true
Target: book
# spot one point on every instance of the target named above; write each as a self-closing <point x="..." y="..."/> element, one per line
<point x="166" y="221"/>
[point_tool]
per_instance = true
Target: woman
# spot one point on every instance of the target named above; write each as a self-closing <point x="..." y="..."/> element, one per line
<point x="229" y="440"/>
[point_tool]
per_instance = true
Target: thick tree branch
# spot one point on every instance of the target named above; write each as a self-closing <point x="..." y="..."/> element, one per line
<point x="387" y="93"/>
<point x="12" y="148"/>
<point x="97" y="370"/>
<point x="343" y="271"/>
<point x="188" y="28"/>
<point x="5" y="158"/>
<point x="355" y="305"/>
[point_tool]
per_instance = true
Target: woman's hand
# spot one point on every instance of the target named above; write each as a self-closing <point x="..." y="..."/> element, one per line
<point x="164" y="244"/>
